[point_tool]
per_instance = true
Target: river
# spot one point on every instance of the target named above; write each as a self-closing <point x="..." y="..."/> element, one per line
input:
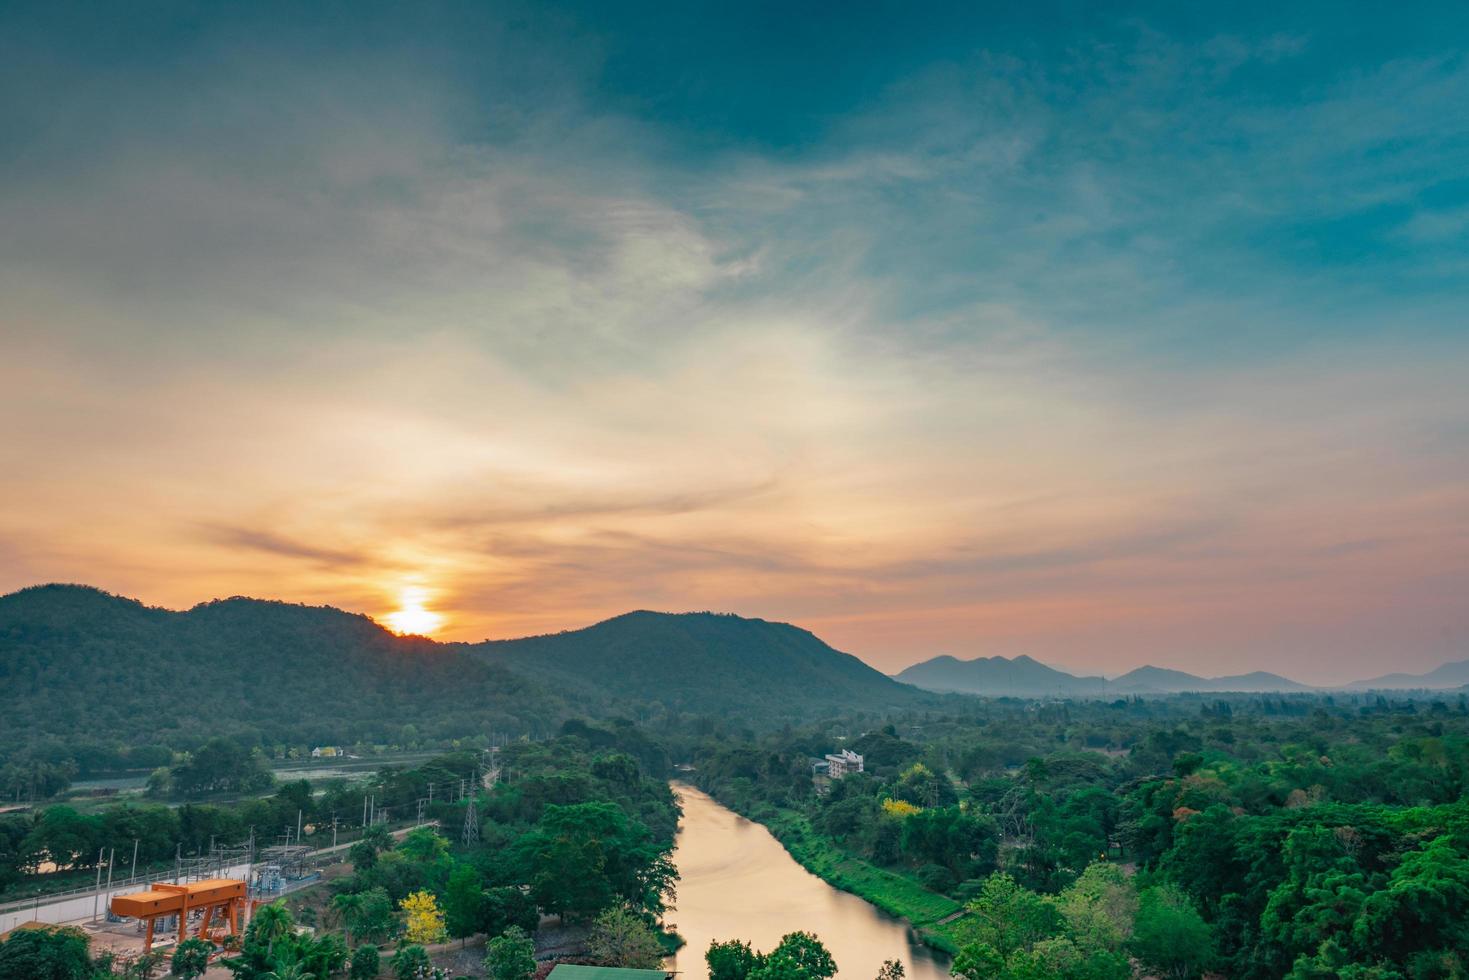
<point x="737" y="882"/>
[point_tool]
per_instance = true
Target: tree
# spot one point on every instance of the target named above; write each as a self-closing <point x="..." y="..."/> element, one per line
<point x="506" y="906"/>
<point x="268" y="926"/>
<point x="732" y="960"/>
<point x="191" y="958"/>
<point x="1422" y="908"/>
<point x="800" y="956"/>
<point x="322" y="956"/>
<point x="424" y="922"/>
<point x="891" y="970"/>
<point x="294" y="970"/>
<point x="621" y="938"/>
<point x="584" y="857"/>
<point x="511" y="955"/>
<point x="464" y="901"/>
<point x="45" y="954"/>
<point x="1008" y="917"/>
<point x="366" y="963"/>
<point x="362" y="855"/>
<point x="1169" y="936"/>
<point x="1099" y="908"/>
<point x="411" y="963"/>
<point x="348" y="907"/>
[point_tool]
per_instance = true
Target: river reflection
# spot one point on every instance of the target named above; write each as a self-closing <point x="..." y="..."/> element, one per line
<point x="737" y="882"/>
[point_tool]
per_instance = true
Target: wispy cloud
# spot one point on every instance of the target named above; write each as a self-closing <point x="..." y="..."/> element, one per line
<point x="1141" y="346"/>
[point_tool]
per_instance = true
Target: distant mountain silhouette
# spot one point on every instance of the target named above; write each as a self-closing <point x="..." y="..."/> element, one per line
<point x="998" y="677"/>
<point x="1024" y="677"/>
<point x="1450" y="675"/>
<point x="1161" y="679"/>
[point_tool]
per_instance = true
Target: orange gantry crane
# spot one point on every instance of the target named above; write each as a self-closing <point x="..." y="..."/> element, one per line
<point x="225" y="897"/>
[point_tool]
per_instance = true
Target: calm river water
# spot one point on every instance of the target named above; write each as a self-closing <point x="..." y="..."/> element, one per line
<point x="739" y="883"/>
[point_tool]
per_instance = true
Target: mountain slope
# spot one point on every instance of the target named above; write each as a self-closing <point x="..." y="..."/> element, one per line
<point x="997" y="677"/>
<point x="702" y="662"/>
<point x="1450" y="675"/>
<point x="77" y="663"/>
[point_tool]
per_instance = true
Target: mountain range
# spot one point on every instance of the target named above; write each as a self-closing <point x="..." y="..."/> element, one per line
<point x="78" y="664"/>
<point x="1023" y="676"/>
<point x="81" y="667"/>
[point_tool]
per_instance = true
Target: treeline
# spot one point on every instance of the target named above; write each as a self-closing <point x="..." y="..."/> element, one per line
<point x="574" y="827"/>
<point x="64" y="838"/>
<point x="1294" y="836"/>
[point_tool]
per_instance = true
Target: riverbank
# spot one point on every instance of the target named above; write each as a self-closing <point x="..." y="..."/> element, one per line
<point x="930" y="914"/>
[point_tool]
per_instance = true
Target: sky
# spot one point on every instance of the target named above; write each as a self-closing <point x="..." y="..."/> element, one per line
<point x="1108" y="334"/>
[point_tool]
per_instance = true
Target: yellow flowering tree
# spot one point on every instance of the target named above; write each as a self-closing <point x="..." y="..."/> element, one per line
<point x="424" y="920"/>
<point x="899" y="808"/>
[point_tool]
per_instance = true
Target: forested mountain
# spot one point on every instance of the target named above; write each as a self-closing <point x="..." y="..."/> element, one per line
<point x="1024" y="677"/>
<point x="703" y="662"/>
<point x="78" y="665"/>
<point x="998" y="677"/>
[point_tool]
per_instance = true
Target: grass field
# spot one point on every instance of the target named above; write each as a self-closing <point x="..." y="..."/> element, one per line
<point x="894" y="893"/>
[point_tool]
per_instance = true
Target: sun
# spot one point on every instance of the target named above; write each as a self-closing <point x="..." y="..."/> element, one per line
<point x="411" y="617"/>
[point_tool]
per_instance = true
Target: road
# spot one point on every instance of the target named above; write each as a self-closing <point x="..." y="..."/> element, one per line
<point x="79" y="908"/>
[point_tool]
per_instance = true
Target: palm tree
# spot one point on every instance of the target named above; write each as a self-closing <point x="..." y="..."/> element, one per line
<point x="290" y="967"/>
<point x="349" y="908"/>
<point x="270" y="923"/>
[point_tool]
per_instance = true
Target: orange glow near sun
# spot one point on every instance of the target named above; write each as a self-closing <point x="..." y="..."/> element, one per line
<point x="411" y="617"/>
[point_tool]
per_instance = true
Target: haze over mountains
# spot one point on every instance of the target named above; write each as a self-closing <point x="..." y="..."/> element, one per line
<point x="1023" y="676"/>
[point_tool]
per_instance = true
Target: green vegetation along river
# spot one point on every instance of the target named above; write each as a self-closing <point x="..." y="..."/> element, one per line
<point x="738" y="882"/>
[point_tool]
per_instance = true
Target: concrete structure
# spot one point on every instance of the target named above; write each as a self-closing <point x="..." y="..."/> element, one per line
<point x="843" y="763"/>
<point x="225" y="897"/>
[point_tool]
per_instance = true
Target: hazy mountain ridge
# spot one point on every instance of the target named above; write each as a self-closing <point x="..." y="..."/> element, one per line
<point x="1020" y="676"/>
<point x="1449" y="676"/>
<point x="1023" y="676"/>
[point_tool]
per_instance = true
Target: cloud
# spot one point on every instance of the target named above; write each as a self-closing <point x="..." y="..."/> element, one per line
<point x="1129" y="353"/>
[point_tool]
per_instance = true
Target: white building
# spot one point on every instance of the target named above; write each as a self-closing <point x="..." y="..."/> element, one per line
<point x="844" y="762"/>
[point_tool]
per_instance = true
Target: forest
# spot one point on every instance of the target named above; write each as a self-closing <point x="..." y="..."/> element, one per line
<point x="1250" y="837"/>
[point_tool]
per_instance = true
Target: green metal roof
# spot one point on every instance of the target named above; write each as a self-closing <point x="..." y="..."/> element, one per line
<point x="576" y="971"/>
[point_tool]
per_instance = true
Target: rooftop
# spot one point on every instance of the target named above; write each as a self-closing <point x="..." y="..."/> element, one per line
<point x="575" y="971"/>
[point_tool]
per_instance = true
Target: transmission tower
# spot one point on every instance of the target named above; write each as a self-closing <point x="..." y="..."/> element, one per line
<point x="471" y="824"/>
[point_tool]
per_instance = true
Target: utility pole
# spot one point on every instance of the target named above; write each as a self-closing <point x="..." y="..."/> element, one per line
<point x="364" y="811"/>
<point x="96" y="892"/>
<point x="298" y="826"/>
<point x="111" y="855"/>
<point x="471" y="825"/>
<point x="134" y="873"/>
<point x="334" y="828"/>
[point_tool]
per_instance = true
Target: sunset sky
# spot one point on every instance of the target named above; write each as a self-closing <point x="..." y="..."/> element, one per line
<point x="1104" y="338"/>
